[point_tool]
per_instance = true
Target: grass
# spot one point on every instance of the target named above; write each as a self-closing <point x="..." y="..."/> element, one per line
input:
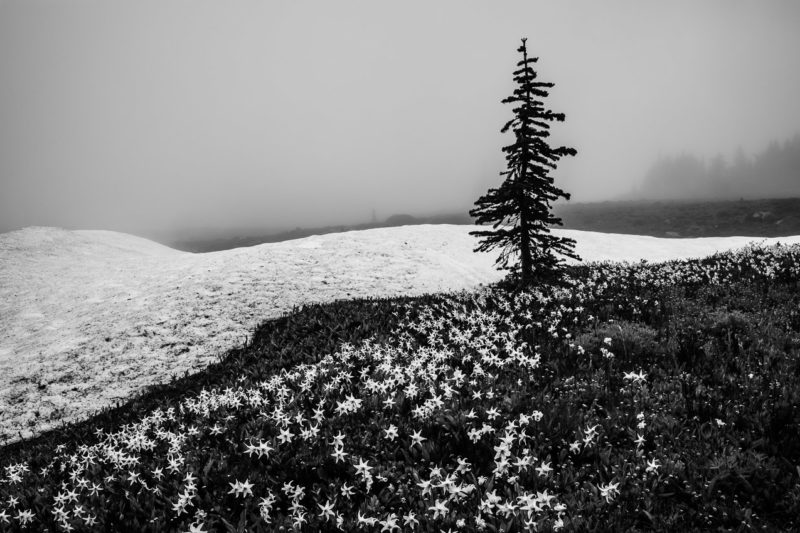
<point x="638" y="398"/>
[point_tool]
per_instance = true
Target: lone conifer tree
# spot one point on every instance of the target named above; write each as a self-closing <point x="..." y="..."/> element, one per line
<point x="520" y="209"/>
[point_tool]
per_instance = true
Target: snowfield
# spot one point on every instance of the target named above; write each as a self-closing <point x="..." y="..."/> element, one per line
<point x="89" y="318"/>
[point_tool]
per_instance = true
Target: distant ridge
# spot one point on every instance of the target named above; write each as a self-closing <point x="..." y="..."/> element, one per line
<point x="226" y="243"/>
<point x="656" y="218"/>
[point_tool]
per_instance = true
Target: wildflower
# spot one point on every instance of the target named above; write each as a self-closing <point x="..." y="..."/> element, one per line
<point x="326" y="511"/>
<point x="25" y="516"/>
<point x="391" y="432"/>
<point x="363" y="468"/>
<point x="531" y="524"/>
<point x="241" y="489"/>
<point x="492" y="499"/>
<point x="174" y="465"/>
<point x="544" y="469"/>
<point x="591" y="433"/>
<point x="501" y="466"/>
<point x="639" y="440"/>
<point x="609" y="491"/>
<point x="368" y="520"/>
<point x="390" y="524"/>
<point x="417" y="438"/>
<point x="261" y="450"/>
<point x="338" y="454"/>
<point x="544" y="498"/>
<point x="410" y="519"/>
<point x="636" y="378"/>
<point x="522" y="463"/>
<point x="439" y="508"/>
<point x="719" y="422"/>
<point x="285" y="436"/>
<point x="338" y="440"/>
<point x="299" y="519"/>
<point x="4" y="516"/>
<point x="425" y="485"/>
<point x="268" y="501"/>
<point x="94" y="489"/>
<point x="652" y="466"/>
<point x="506" y="508"/>
<point x="346" y="490"/>
<point x="475" y="434"/>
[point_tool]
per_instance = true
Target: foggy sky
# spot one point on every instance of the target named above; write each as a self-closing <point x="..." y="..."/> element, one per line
<point x="153" y="115"/>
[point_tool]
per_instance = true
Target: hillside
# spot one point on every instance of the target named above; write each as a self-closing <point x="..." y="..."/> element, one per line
<point x="752" y="218"/>
<point x="639" y="397"/>
<point x="91" y="318"/>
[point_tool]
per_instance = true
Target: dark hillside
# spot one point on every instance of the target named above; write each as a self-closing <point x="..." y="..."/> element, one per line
<point x="748" y="218"/>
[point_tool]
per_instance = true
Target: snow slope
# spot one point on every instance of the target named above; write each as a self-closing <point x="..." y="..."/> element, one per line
<point x="88" y="318"/>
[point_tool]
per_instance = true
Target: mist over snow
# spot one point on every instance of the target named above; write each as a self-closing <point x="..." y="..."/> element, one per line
<point x="93" y="317"/>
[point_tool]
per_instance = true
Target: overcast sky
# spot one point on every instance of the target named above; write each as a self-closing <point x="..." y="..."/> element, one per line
<point x="152" y="115"/>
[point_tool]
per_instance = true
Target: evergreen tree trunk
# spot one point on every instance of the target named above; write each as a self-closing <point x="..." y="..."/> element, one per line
<point x="526" y="261"/>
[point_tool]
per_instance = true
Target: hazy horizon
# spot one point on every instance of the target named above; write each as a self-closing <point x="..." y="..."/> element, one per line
<point x="164" y="116"/>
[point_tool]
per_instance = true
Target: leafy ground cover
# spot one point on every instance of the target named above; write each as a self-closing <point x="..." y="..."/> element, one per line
<point x="633" y="397"/>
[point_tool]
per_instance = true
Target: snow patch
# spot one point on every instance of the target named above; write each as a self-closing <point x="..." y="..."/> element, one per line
<point x="92" y="317"/>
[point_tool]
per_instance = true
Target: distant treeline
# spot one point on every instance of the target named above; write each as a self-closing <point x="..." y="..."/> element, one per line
<point x="773" y="173"/>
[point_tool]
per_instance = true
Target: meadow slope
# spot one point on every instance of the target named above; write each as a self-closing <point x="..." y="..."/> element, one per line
<point x="90" y="318"/>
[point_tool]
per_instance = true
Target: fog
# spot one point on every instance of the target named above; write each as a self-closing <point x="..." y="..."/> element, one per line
<point x="158" y="116"/>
